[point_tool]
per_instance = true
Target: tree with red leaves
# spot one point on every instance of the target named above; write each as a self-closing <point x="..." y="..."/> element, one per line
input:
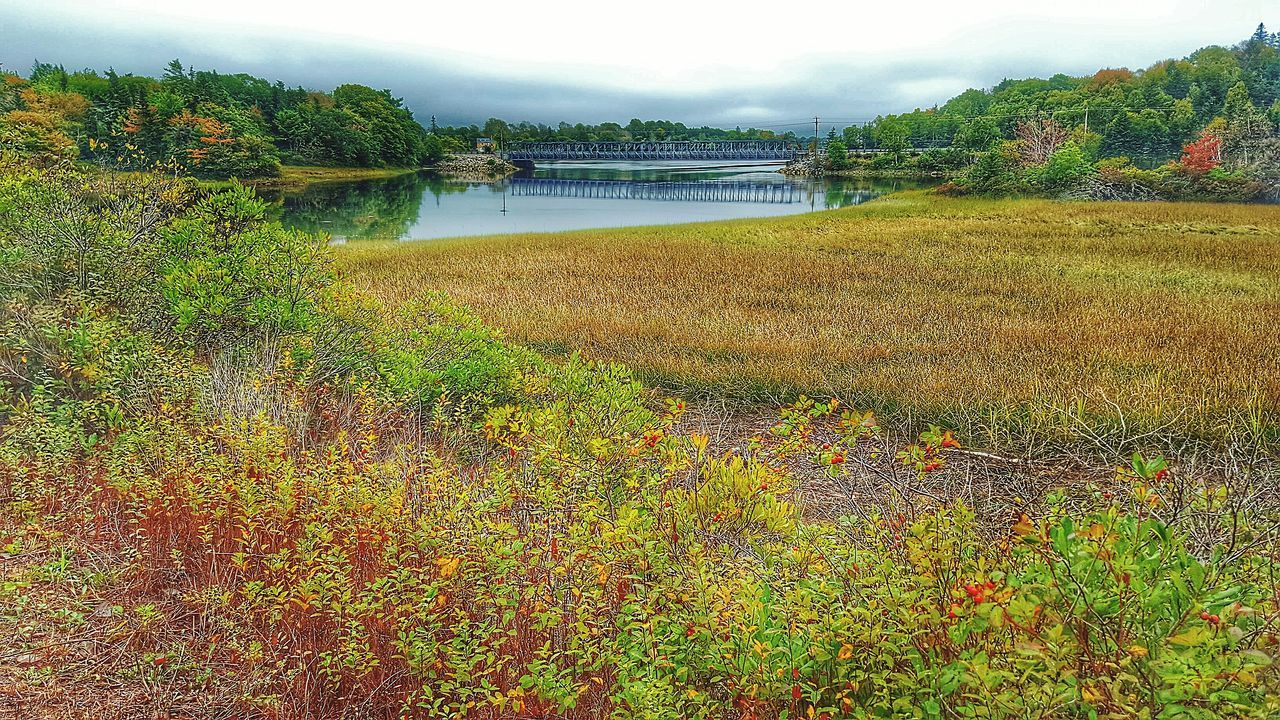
<point x="1203" y="155"/>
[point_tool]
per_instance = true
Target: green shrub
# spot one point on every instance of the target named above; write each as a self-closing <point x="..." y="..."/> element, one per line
<point x="1066" y="169"/>
<point x="938" y="160"/>
<point x="224" y="272"/>
<point x="997" y="171"/>
<point x="837" y="155"/>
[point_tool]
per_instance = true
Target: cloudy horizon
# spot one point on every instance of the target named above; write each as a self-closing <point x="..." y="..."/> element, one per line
<point x="584" y="63"/>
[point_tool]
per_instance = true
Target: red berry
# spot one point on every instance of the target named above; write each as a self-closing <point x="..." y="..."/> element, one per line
<point x="795" y="692"/>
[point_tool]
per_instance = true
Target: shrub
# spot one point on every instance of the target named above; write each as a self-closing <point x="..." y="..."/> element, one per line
<point x="1066" y="168"/>
<point x="225" y="273"/>
<point x="997" y="171"/>
<point x="837" y="155"/>
<point x="937" y="160"/>
<point x="35" y="136"/>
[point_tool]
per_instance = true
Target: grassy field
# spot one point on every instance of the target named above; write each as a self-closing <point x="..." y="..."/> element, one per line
<point x="1019" y="321"/>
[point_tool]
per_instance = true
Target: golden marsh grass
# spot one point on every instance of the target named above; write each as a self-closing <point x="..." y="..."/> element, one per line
<point x="1010" y="319"/>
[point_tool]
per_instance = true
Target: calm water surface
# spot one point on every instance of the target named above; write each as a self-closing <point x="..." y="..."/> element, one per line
<point x="564" y="196"/>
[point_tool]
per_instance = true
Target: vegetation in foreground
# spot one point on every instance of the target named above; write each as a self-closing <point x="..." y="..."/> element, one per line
<point x="1031" y="326"/>
<point x="231" y="487"/>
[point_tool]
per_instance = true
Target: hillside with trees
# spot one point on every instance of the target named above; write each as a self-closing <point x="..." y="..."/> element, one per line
<point x="1199" y="127"/>
<point x="206" y="123"/>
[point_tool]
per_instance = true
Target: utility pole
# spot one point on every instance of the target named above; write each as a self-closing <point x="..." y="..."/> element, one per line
<point x="815" y="136"/>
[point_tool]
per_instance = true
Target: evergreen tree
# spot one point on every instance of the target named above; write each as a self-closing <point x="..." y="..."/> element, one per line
<point x="1247" y="127"/>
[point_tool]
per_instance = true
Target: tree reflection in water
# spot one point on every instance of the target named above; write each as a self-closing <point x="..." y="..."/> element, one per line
<point x="383" y="209"/>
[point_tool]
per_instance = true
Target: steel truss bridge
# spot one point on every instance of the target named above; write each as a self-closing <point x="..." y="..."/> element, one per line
<point x="780" y="150"/>
<point x="726" y="191"/>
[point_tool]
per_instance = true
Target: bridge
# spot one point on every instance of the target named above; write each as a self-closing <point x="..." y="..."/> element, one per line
<point x="775" y="150"/>
<point x="726" y="191"/>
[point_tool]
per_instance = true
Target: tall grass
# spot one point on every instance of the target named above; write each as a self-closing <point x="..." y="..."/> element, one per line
<point x="1024" y="322"/>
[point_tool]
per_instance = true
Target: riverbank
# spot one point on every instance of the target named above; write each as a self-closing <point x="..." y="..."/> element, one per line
<point x="858" y="170"/>
<point x="479" y="167"/>
<point x="296" y="177"/>
<point x="1023" y="323"/>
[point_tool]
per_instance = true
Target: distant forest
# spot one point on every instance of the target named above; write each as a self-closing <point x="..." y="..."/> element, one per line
<point x="219" y="125"/>
<point x="1146" y="114"/>
<point x="504" y="133"/>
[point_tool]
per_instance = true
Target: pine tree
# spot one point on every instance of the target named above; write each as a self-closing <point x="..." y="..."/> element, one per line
<point x="1247" y="127"/>
<point x="1261" y="35"/>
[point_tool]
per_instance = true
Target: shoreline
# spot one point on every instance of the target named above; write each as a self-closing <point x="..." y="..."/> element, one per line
<point x="297" y="177"/>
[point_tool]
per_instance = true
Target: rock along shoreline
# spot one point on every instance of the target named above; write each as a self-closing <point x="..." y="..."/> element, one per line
<point x="475" y="166"/>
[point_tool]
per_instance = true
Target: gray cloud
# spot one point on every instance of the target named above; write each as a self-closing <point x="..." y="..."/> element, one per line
<point x="843" y="91"/>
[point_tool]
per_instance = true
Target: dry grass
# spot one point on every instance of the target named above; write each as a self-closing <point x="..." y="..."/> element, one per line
<point x="1019" y="321"/>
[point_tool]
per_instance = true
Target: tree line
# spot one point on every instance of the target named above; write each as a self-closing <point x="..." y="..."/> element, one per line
<point x="1147" y="115"/>
<point x="503" y="133"/>
<point x="208" y="123"/>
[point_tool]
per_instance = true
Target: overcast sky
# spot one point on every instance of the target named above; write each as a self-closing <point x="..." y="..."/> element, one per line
<point x="726" y="64"/>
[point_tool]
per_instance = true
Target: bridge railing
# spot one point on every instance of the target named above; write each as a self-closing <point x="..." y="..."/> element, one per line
<point x="666" y="150"/>
<point x="762" y="150"/>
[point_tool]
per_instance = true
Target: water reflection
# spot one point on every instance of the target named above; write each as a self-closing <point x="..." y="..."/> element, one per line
<point x="563" y="196"/>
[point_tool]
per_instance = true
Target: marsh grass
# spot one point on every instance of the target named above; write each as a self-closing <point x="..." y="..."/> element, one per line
<point x="1027" y="324"/>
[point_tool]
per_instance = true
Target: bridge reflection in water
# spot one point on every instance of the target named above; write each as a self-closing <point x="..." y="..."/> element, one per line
<point x="729" y="191"/>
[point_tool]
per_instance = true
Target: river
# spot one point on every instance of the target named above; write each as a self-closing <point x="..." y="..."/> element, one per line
<point x="564" y="196"/>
